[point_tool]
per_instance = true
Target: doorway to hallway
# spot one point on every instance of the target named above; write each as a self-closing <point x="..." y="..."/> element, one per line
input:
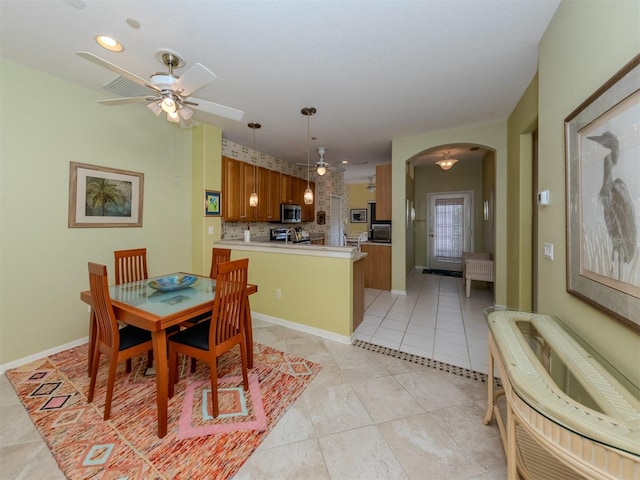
<point x="450" y="229"/>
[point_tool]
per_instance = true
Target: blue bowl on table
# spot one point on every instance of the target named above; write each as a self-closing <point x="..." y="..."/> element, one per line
<point x="171" y="283"/>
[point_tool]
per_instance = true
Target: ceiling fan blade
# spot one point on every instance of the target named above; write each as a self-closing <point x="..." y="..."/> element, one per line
<point x="114" y="68"/>
<point x="216" y="109"/>
<point x="193" y="80"/>
<point x="125" y="100"/>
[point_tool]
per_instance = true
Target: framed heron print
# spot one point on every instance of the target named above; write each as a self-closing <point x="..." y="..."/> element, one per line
<point x="602" y="140"/>
<point x="104" y="197"/>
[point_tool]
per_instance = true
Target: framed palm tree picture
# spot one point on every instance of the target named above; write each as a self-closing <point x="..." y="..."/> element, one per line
<point x="104" y="197"/>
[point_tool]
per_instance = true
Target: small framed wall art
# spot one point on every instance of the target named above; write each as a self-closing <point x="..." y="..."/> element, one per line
<point x="358" y="215"/>
<point x="212" y="203"/>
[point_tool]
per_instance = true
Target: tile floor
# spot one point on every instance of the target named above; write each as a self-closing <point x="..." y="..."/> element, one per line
<point x="434" y="320"/>
<point x="365" y="416"/>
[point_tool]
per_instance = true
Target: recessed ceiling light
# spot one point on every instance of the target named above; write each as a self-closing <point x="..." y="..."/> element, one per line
<point x="109" y="43"/>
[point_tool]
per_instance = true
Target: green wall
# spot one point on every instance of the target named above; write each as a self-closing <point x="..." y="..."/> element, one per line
<point x="523" y="121"/>
<point x="44" y="124"/>
<point x="585" y="44"/>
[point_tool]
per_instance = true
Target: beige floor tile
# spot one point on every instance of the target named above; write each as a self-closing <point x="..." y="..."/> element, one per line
<point x="431" y="389"/>
<point x="425" y="450"/>
<point x="336" y="409"/>
<point x="369" y="457"/>
<point x="294" y="426"/>
<point x="385" y="399"/>
<point x="302" y="460"/>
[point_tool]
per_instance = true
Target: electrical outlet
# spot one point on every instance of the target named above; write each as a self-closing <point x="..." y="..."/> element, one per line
<point x="548" y="251"/>
<point x="210" y="230"/>
<point x="278" y="293"/>
<point x="89" y="308"/>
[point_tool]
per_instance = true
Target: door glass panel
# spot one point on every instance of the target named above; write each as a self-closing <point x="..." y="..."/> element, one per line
<point x="449" y="229"/>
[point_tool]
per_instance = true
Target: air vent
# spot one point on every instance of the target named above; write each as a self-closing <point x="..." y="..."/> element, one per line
<point x="124" y="87"/>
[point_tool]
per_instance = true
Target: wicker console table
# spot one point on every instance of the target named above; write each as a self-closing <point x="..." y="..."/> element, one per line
<point x="569" y="413"/>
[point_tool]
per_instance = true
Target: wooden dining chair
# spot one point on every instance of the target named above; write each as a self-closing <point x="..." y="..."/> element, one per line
<point x="117" y="343"/>
<point x="210" y="339"/>
<point x="218" y="255"/>
<point x="131" y="265"/>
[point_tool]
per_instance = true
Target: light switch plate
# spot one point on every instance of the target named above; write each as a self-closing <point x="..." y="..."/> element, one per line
<point x="548" y="251"/>
<point x="210" y="230"/>
<point x="543" y="197"/>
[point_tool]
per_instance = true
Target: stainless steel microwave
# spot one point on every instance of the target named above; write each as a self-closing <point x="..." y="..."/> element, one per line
<point x="381" y="232"/>
<point x="290" y="213"/>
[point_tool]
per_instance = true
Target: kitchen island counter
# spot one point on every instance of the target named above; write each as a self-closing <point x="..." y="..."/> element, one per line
<point x="291" y="248"/>
<point x="314" y="288"/>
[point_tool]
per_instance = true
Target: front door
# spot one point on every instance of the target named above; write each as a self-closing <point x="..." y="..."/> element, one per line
<point x="450" y="229"/>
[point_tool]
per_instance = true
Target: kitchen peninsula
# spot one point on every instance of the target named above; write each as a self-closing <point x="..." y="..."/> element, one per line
<point x="314" y="288"/>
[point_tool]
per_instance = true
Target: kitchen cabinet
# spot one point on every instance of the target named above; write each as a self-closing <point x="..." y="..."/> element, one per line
<point x="377" y="266"/>
<point x="383" y="192"/>
<point x="239" y="179"/>
<point x="268" y="182"/>
<point x="238" y="182"/>
<point x="286" y="188"/>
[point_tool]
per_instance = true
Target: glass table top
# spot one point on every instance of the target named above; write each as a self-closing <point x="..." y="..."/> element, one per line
<point x="140" y="295"/>
<point x="552" y="369"/>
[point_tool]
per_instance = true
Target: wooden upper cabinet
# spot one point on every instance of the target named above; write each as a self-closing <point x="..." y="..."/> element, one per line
<point x="383" y="192"/>
<point x="263" y="194"/>
<point x="238" y="182"/>
<point x="232" y="204"/>
<point x="268" y="195"/>
<point x="286" y="188"/>
<point x="274" y="196"/>
<point x="239" y="179"/>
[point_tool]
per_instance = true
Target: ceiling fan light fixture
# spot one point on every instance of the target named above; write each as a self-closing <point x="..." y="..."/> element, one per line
<point x="372" y="186"/>
<point x="155" y="107"/>
<point x="446" y="163"/>
<point x="173" y="117"/>
<point x="321" y="168"/>
<point x="185" y="112"/>
<point x="168" y="105"/>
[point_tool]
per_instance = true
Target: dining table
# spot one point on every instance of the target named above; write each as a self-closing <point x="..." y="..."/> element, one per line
<point x="137" y="303"/>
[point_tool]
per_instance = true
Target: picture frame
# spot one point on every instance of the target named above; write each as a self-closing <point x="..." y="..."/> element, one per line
<point x="602" y="148"/>
<point x="358" y="215"/>
<point x="101" y="197"/>
<point x="212" y="203"/>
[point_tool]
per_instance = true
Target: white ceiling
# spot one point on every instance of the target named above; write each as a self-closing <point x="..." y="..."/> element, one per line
<point x="375" y="70"/>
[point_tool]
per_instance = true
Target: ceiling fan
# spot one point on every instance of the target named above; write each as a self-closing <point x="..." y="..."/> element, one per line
<point x="169" y="93"/>
<point x="321" y="166"/>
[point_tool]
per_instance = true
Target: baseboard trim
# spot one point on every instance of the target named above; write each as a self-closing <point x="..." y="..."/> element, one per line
<point x="45" y="353"/>
<point x="303" y="328"/>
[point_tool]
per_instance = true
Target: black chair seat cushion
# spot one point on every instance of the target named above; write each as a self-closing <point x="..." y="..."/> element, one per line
<point x="196" y="336"/>
<point x="131" y="336"/>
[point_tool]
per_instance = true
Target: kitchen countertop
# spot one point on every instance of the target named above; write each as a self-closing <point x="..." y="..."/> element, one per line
<point x="377" y="244"/>
<point x="306" y="249"/>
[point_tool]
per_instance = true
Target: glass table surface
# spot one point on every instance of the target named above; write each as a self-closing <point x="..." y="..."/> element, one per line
<point x="561" y="376"/>
<point x="140" y="295"/>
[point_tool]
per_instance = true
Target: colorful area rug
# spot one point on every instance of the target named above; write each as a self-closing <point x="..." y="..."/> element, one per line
<point x="444" y="273"/>
<point x="53" y="391"/>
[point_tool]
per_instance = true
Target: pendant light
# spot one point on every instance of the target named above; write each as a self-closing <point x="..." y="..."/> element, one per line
<point x="308" y="193"/>
<point x="446" y="163"/>
<point x="253" y="199"/>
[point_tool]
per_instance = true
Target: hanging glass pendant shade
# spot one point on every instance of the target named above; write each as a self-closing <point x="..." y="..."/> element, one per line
<point x="308" y="193"/>
<point x="253" y="198"/>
